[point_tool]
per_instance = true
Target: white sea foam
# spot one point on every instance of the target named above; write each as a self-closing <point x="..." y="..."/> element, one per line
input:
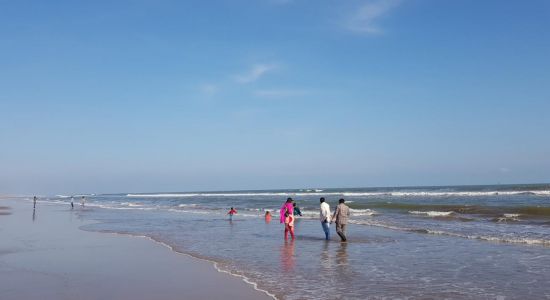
<point x="319" y="192"/>
<point x="182" y="195"/>
<point x="363" y="212"/>
<point x="160" y="195"/>
<point x="121" y="206"/>
<point x="194" y="211"/>
<point x="365" y="194"/>
<point x="308" y="214"/>
<point x="131" y="204"/>
<point x="369" y="222"/>
<point x="50" y="201"/>
<point x="432" y="213"/>
<point x="513" y="240"/>
<point x="446" y="194"/>
<point x="508" y="217"/>
<point x="517" y="240"/>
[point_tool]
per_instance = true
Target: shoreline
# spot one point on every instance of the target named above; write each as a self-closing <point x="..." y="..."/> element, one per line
<point x="65" y="262"/>
<point x="215" y="264"/>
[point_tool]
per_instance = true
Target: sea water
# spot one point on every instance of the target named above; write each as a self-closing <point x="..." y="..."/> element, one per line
<point x="467" y="242"/>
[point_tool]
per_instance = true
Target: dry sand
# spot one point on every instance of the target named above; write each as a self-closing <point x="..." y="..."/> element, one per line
<point x="43" y="255"/>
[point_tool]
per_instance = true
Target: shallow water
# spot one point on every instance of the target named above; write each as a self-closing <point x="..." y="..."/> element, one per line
<point x="408" y="243"/>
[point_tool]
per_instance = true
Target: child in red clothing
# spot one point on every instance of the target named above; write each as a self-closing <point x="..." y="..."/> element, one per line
<point x="231" y="212"/>
<point x="289" y="225"/>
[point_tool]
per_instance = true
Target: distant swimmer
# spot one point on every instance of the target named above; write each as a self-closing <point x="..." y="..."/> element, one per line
<point x="34" y="202"/>
<point x="232" y="212"/>
<point x="82" y="201"/>
<point x="267" y="216"/>
<point x="72" y="202"/>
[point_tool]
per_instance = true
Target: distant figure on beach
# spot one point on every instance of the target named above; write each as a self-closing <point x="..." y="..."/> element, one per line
<point x="324" y="215"/>
<point x="340" y="217"/>
<point x="72" y="202"/>
<point x="289" y="225"/>
<point x="34" y="202"/>
<point x="231" y="212"/>
<point x="267" y="216"/>
<point x="287" y="206"/>
<point x="82" y="201"/>
<point x="297" y="211"/>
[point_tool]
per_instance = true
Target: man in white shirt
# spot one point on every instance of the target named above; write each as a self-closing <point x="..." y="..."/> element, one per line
<point x="325" y="217"/>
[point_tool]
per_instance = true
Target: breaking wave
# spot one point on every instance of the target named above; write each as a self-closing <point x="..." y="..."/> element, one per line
<point x="432" y="213"/>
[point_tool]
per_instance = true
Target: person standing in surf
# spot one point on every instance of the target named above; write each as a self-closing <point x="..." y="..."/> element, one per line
<point x="340" y="217"/>
<point x="82" y="201"/>
<point x="287" y="207"/>
<point x="324" y="215"/>
<point x="34" y="202"/>
<point x="232" y="212"/>
<point x="297" y="211"/>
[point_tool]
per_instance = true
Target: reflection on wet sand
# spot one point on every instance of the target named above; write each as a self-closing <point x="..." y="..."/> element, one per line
<point x="326" y="262"/>
<point x="334" y="260"/>
<point x="33" y="214"/>
<point x="287" y="256"/>
<point x="342" y="260"/>
<point x="342" y="254"/>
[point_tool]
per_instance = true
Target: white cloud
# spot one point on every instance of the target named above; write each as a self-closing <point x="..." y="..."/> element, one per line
<point x="367" y="16"/>
<point x="255" y="73"/>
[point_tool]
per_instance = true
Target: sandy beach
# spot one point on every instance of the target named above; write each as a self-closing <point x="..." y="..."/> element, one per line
<point x="44" y="255"/>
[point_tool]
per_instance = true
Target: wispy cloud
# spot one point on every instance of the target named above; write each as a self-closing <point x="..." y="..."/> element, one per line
<point x="365" y="19"/>
<point x="255" y="73"/>
<point x="209" y="89"/>
<point x="280" y="93"/>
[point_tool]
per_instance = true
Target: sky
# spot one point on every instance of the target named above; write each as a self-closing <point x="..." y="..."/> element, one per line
<point x="150" y="96"/>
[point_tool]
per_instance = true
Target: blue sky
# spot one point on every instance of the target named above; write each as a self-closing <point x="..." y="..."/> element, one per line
<point x="143" y="96"/>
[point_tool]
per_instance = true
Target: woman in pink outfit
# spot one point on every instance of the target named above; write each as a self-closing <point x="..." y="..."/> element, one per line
<point x="287" y="207"/>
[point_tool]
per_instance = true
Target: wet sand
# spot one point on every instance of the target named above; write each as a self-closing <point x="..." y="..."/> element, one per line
<point x="43" y="255"/>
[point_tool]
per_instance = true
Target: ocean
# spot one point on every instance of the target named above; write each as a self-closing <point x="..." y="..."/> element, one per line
<point x="455" y="242"/>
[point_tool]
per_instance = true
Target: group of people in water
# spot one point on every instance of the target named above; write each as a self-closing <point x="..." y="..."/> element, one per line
<point x="289" y="210"/>
<point x="339" y="217"/>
